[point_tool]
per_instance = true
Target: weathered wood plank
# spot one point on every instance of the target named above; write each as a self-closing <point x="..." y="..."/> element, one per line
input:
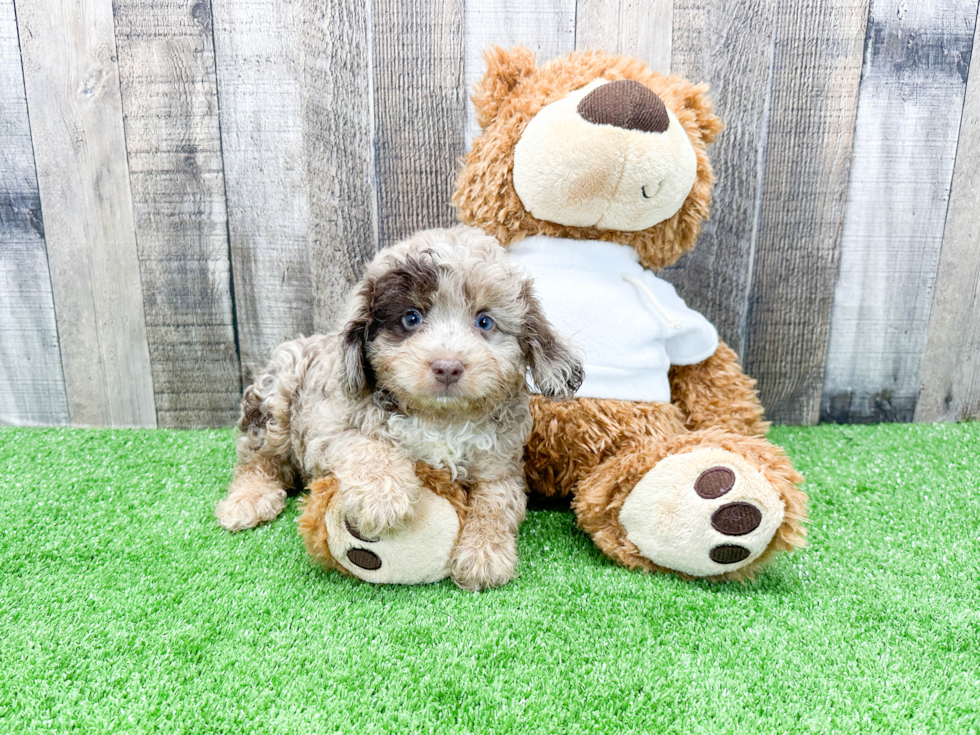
<point x="951" y="360"/>
<point x="170" y="99"/>
<point x="639" y="28"/>
<point x="547" y="27"/>
<point x="258" y="60"/>
<point x="915" y="66"/>
<point x="32" y="384"/>
<point x="419" y="113"/>
<point x="338" y="135"/>
<point x="72" y="84"/>
<point x="732" y="48"/>
<point x="816" y="70"/>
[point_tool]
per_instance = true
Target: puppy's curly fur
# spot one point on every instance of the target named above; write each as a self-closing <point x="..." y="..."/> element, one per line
<point x="430" y="367"/>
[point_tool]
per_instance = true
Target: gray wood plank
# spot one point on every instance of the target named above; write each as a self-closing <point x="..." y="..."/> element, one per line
<point x="258" y="61"/>
<point x="732" y="48"/>
<point x="816" y="71"/>
<point x="338" y="136"/>
<point x="169" y="96"/>
<point x="419" y="97"/>
<point x="547" y="27"/>
<point x="642" y="29"/>
<point x="32" y="383"/>
<point x="915" y="67"/>
<point x="72" y="84"/>
<point x="951" y="359"/>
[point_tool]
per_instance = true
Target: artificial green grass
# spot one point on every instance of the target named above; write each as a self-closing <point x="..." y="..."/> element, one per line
<point x="125" y="608"/>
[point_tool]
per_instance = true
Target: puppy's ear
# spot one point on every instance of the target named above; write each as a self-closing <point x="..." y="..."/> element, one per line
<point x="556" y="366"/>
<point x="355" y="374"/>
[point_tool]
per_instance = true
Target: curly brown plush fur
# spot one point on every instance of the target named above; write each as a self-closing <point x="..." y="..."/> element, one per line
<point x="569" y="439"/>
<point x="599" y="451"/>
<point x="717" y="394"/>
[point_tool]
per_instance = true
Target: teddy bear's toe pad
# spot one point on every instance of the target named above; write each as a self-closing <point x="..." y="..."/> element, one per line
<point x="736" y="519"/>
<point x="714" y="482"/>
<point x="703" y="512"/>
<point x="414" y="555"/>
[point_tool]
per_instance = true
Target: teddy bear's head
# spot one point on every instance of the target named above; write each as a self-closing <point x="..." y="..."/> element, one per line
<point x="590" y="147"/>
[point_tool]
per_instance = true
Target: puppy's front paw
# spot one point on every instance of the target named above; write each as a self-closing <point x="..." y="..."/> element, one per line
<point x="378" y="507"/>
<point x="479" y="565"/>
<point x="248" y="506"/>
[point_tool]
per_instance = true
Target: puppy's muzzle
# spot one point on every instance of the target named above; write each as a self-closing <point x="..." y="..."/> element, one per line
<point x="447" y="371"/>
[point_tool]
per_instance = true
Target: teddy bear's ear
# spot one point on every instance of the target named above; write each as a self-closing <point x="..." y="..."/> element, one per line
<point x="695" y="99"/>
<point x="505" y="70"/>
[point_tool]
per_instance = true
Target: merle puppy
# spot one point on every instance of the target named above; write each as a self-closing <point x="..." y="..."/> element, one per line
<point x="430" y="366"/>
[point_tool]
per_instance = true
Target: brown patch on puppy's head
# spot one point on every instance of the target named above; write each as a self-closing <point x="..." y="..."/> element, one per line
<point x="576" y="166"/>
<point x="410" y="285"/>
<point x="381" y="304"/>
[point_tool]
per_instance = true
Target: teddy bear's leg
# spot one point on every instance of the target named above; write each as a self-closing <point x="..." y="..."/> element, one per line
<point x="569" y="439"/>
<point x="706" y="504"/>
<point x="716" y="394"/>
<point x="418" y="553"/>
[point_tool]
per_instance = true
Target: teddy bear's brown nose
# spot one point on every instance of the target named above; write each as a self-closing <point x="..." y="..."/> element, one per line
<point x="625" y="103"/>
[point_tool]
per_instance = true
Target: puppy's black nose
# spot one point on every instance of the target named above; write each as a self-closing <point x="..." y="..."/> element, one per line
<point x="627" y="104"/>
<point x="447" y="371"/>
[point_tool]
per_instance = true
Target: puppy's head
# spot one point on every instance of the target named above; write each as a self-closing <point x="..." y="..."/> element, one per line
<point x="444" y="322"/>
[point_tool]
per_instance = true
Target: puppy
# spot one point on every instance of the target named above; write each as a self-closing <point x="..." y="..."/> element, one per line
<point x="431" y="366"/>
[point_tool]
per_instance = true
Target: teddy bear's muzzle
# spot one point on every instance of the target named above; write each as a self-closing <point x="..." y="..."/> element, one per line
<point x="610" y="155"/>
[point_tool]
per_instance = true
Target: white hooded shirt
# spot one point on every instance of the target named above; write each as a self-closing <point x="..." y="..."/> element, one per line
<point x="632" y="325"/>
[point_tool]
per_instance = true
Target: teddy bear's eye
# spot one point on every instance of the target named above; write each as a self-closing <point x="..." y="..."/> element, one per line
<point x="411" y="319"/>
<point x="484" y="322"/>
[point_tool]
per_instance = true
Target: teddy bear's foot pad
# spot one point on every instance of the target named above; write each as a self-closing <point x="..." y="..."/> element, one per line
<point x="413" y="555"/>
<point x="703" y="512"/>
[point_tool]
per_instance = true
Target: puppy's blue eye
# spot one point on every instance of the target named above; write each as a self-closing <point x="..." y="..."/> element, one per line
<point x="411" y="319"/>
<point x="484" y="322"/>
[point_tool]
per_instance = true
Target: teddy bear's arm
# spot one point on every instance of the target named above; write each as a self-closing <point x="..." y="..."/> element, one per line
<point x="716" y="393"/>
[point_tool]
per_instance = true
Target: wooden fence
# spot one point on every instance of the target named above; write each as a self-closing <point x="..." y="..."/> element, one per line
<point x="186" y="183"/>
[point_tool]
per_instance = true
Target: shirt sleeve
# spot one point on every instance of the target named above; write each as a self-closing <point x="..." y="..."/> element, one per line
<point x="695" y="344"/>
<point x="692" y="338"/>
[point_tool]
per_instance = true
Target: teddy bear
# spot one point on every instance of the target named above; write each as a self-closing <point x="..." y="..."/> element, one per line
<point x="593" y="171"/>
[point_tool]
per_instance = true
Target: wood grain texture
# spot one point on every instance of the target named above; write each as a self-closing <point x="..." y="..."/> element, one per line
<point x="951" y="359"/>
<point x="639" y="28"/>
<point x="816" y="70"/>
<point x="915" y="66"/>
<point x="32" y="384"/>
<point x="547" y="27"/>
<point x="170" y="100"/>
<point x="732" y="48"/>
<point x="72" y="84"/>
<point x="258" y="60"/>
<point x="338" y="136"/>
<point x="419" y="100"/>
